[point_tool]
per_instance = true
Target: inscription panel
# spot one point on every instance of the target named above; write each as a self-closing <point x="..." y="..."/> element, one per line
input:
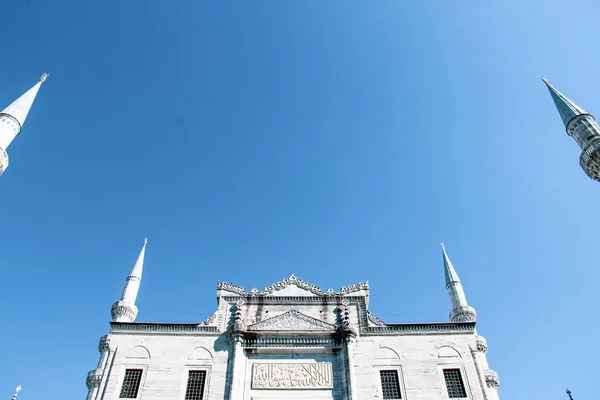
<point x="292" y="376"/>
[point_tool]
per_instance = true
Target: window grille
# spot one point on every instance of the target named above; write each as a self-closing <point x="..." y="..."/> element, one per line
<point x="454" y="384"/>
<point x="131" y="384"/>
<point x="390" y="385"/>
<point x="195" y="385"/>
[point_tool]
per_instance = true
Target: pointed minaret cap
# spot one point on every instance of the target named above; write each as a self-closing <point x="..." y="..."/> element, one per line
<point x="449" y="272"/>
<point x="138" y="267"/>
<point x="17" y="390"/>
<point x="566" y="108"/>
<point x="20" y="107"/>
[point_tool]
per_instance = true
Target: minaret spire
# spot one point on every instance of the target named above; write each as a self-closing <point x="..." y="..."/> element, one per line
<point x="125" y="309"/>
<point x="17" y="390"/>
<point x="566" y="108"/>
<point x="12" y="119"/>
<point x="461" y="311"/>
<point x="582" y="127"/>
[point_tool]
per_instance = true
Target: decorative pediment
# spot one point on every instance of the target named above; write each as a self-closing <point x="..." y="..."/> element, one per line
<point x="293" y="282"/>
<point x="292" y="321"/>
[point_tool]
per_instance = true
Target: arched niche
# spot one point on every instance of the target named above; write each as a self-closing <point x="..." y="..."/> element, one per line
<point x="200" y="353"/>
<point x="448" y="352"/>
<point x="387" y="354"/>
<point x="139" y="352"/>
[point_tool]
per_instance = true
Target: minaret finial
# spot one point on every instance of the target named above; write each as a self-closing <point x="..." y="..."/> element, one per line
<point x="545" y="80"/>
<point x="44" y="76"/>
<point x="569" y="393"/>
<point x="17" y="390"/>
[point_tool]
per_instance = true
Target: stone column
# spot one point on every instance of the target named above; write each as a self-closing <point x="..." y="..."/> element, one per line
<point x="350" y="336"/>
<point x="237" y="370"/>
<point x="94" y="377"/>
<point x="490" y="383"/>
<point x="350" y="347"/>
<point x="238" y="359"/>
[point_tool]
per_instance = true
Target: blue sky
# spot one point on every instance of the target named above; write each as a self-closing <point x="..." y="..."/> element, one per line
<point x="338" y="140"/>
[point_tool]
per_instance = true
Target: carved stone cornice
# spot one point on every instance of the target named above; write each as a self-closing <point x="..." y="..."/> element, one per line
<point x="121" y="310"/>
<point x="292" y="280"/>
<point x="354" y="288"/>
<point x="374" y="320"/>
<point x="147" y="327"/>
<point x="463" y="314"/>
<point x="481" y="344"/>
<point x="94" y="377"/>
<point x="104" y="344"/>
<point x="412" y="329"/>
<point x="210" y="320"/>
<point x="252" y="340"/>
<point x="230" y="287"/>
<point x="491" y="379"/>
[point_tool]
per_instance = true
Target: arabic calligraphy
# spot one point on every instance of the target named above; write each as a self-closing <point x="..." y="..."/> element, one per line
<point x="292" y="376"/>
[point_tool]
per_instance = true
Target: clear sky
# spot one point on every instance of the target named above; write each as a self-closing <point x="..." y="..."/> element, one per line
<point x="338" y="140"/>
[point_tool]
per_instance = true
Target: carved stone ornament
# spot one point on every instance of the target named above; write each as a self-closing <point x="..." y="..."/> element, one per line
<point x="481" y="344"/>
<point x="292" y="280"/>
<point x="104" y="344"/>
<point x="292" y="321"/>
<point x="292" y="376"/>
<point x="491" y="379"/>
<point x="121" y="309"/>
<point x="374" y="320"/>
<point x="94" y="378"/>
<point x="238" y="322"/>
<point x="463" y="314"/>
<point x="210" y="320"/>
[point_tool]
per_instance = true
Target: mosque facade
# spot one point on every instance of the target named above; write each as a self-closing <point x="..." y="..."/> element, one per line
<point x="294" y="341"/>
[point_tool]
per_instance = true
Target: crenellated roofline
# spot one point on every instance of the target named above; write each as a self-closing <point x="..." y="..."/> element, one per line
<point x="293" y="280"/>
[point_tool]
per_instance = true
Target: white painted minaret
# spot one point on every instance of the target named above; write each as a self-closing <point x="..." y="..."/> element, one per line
<point x="462" y="312"/>
<point x="12" y="119"/>
<point x="125" y="310"/>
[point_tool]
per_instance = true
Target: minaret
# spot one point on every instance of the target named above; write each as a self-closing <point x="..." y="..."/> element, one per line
<point x="17" y="392"/>
<point x="125" y="310"/>
<point x="582" y="127"/>
<point x="12" y="119"/>
<point x="461" y="311"/>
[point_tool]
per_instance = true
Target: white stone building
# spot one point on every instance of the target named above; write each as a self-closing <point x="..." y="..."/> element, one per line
<point x="293" y="341"/>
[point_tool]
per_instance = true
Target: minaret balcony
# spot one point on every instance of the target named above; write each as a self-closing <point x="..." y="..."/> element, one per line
<point x="491" y="379"/>
<point x="104" y="344"/>
<point x="123" y="312"/>
<point x="463" y="314"/>
<point x="481" y="344"/>
<point x="590" y="160"/>
<point x="94" y="378"/>
<point x="3" y="161"/>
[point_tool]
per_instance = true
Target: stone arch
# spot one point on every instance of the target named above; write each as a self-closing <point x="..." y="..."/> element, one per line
<point x="387" y="353"/>
<point x="138" y="352"/>
<point x="448" y="352"/>
<point x="200" y="353"/>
